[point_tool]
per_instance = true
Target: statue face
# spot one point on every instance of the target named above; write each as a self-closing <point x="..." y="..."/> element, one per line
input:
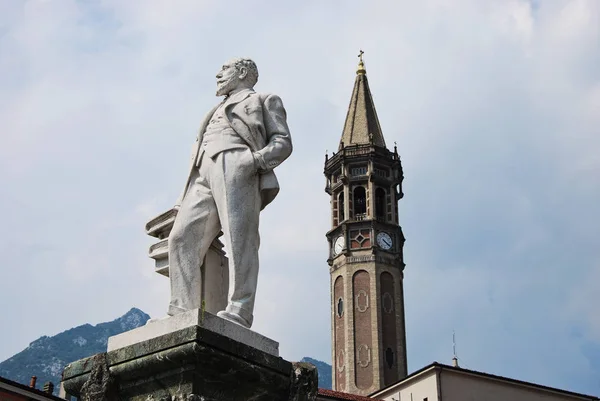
<point x="229" y="79"/>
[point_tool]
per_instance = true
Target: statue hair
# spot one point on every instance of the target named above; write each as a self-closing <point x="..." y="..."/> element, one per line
<point x="252" y="70"/>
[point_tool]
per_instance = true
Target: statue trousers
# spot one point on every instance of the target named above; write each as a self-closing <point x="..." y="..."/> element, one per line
<point x="223" y="196"/>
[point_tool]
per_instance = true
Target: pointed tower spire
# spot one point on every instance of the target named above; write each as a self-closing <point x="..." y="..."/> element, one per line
<point x="362" y="125"/>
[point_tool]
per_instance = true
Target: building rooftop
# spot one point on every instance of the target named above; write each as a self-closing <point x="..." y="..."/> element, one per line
<point x="443" y="367"/>
<point x="29" y="392"/>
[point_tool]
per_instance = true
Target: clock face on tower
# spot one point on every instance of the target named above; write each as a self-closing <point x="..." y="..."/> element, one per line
<point x="384" y="241"/>
<point x="338" y="245"/>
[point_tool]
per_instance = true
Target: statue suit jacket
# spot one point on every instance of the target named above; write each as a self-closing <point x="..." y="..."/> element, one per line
<point x="260" y="120"/>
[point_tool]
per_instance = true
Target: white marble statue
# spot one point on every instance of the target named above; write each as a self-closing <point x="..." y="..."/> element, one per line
<point x="230" y="181"/>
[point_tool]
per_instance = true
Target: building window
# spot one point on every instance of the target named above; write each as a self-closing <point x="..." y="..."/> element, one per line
<point x="358" y="171"/>
<point x="389" y="357"/>
<point x="341" y="206"/>
<point x="340" y="307"/>
<point x="360" y="201"/>
<point x="380" y="203"/>
<point x="382" y="172"/>
<point x="337" y="176"/>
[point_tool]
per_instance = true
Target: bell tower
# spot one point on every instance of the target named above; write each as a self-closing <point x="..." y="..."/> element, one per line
<point x="364" y="180"/>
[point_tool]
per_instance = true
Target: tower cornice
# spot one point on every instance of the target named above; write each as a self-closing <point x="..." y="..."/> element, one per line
<point x="353" y="152"/>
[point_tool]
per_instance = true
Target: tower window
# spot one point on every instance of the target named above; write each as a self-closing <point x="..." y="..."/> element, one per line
<point x="382" y="172"/>
<point x="337" y="176"/>
<point x="380" y="203"/>
<point x="341" y="206"/>
<point x="358" y="171"/>
<point x="340" y="307"/>
<point x="389" y="357"/>
<point x="360" y="201"/>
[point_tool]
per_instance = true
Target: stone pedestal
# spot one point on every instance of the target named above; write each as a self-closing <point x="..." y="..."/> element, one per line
<point x="215" y="269"/>
<point x="195" y="317"/>
<point x="193" y="363"/>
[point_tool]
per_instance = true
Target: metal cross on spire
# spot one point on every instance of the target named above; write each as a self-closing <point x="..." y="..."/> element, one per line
<point x="361" y="65"/>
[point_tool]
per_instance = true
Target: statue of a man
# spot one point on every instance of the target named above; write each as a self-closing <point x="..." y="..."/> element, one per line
<point x="230" y="181"/>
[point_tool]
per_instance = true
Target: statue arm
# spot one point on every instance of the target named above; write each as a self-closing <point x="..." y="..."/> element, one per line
<point x="192" y="162"/>
<point x="279" y="141"/>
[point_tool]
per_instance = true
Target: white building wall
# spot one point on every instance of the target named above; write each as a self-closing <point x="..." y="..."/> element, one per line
<point x="459" y="386"/>
<point x="420" y="388"/>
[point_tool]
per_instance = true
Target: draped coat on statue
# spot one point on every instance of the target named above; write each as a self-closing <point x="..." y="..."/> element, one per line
<point x="260" y="119"/>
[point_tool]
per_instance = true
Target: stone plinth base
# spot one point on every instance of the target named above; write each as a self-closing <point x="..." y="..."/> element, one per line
<point x="195" y="318"/>
<point x="191" y="364"/>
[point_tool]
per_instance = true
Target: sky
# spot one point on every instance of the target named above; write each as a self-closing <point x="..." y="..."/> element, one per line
<point x="494" y="105"/>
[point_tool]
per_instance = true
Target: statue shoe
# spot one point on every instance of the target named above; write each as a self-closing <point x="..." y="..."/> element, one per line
<point x="234" y="317"/>
<point x="157" y="319"/>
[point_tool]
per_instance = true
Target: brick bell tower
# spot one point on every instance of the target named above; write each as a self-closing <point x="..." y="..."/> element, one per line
<point x="364" y="180"/>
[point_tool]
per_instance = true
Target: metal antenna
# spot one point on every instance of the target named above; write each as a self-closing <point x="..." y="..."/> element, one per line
<point x="454" y="343"/>
<point x="454" y="358"/>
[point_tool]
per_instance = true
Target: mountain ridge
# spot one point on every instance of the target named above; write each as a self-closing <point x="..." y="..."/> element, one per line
<point x="47" y="356"/>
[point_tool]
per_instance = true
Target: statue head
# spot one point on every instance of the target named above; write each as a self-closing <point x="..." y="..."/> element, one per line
<point x="239" y="73"/>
